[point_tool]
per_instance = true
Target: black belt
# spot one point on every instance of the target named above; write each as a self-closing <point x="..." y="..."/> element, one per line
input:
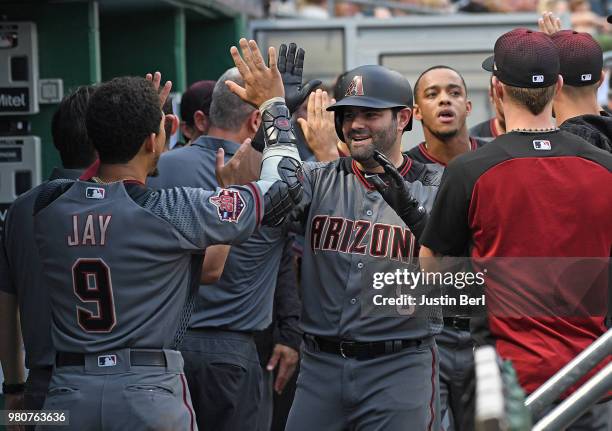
<point x="145" y="358"/>
<point x="460" y="323"/>
<point x="360" y="350"/>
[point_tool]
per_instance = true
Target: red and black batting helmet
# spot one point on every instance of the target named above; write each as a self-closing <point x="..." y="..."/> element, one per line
<point x="370" y="86"/>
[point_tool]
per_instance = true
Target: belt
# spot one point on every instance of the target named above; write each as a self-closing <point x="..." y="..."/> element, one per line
<point x="146" y="358"/>
<point x="360" y="350"/>
<point x="460" y="323"/>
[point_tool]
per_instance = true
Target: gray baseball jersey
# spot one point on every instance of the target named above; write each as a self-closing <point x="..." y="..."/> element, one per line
<point x="20" y="274"/>
<point x="119" y="259"/>
<point x="350" y="233"/>
<point x="242" y="298"/>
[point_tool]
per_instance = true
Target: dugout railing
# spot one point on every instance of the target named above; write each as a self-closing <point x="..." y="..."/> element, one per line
<point x="491" y="404"/>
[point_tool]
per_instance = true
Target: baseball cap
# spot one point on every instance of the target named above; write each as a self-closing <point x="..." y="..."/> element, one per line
<point x="524" y="58"/>
<point x="196" y="98"/>
<point x="580" y="56"/>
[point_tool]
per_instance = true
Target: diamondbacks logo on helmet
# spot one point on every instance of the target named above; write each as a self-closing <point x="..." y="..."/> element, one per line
<point x="229" y="203"/>
<point x="355" y="88"/>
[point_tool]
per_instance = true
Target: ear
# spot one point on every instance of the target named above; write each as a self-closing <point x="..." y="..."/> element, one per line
<point x="498" y="89"/>
<point x="200" y="121"/>
<point x="468" y="107"/>
<point x="254" y="121"/>
<point x="416" y="112"/>
<point x="149" y="143"/>
<point x="559" y="84"/>
<point x="602" y="77"/>
<point x="175" y="123"/>
<point x="403" y="117"/>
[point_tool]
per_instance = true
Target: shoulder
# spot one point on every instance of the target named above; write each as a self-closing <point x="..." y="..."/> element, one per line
<point x="429" y="174"/>
<point x="49" y="192"/>
<point x="317" y="168"/>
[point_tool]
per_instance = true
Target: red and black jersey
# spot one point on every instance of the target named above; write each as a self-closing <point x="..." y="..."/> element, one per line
<point x="538" y="195"/>
<point x="421" y="154"/>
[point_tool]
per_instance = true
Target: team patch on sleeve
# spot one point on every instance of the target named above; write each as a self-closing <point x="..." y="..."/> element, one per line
<point x="230" y="204"/>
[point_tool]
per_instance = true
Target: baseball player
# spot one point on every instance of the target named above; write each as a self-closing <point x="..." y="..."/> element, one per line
<point x="195" y="110"/>
<point x="131" y="258"/>
<point x="442" y="106"/>
<point x="20" y="269"/>
<point x="535" y="191"/>
<point x="576" y="108"/>
<point x="359" y="372"/>
<point x="221" y="362"/>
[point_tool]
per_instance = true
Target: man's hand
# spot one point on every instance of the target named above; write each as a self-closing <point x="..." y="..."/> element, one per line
<point x="241" y="169"/>
<point x="261" y="83"/>
<point x="397" y="195"/>
<point x="549" y="23"/>
<point x="165" y="91"/>
<point x="291" y="68"/>
<point x="286" y="358"/>
<point x="319" y="129"/>
<point x="14" y="402"/>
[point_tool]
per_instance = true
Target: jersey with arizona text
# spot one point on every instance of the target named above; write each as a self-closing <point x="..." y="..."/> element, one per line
<point x="121" y="261"/>
<point x="350" y="234"/>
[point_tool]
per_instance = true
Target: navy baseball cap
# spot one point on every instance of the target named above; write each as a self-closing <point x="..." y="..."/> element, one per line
<point x="524" y="58"/>
<point x="580" y="56"/>
<point x="196" y="98"/>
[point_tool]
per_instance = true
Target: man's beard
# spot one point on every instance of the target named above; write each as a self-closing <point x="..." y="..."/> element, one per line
<point x="382" y="141"/>
<point x="444" y="135"/>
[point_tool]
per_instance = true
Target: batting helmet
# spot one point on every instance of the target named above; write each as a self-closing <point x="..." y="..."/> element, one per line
<point x="370" y="86"/>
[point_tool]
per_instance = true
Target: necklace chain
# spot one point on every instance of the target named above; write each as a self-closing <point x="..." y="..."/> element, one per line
<point x="550" y="129"/>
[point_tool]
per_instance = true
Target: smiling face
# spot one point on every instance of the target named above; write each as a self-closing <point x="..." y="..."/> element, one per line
<point x="369" y="129"/>
<point x="442" y="103"/>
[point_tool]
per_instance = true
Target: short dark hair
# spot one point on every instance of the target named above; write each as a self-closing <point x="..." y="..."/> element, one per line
<point x="69" y="130"/>
<point x="121" y="114"/>
<point x="439" y="66"/>
<point x="534" y="99"/>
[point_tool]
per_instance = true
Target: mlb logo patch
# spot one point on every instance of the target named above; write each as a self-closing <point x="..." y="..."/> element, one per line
<point x="586" y="77"/>
<point x="107" y="361"/>
<point x="230" y="205"/>
<point x="537" y="78"/>
<point x="95" y="193"/>
<point x="539" y="144"/>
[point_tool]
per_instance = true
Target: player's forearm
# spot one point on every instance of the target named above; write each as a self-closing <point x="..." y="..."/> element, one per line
<point x="11" y="353"/>
<point x="279" y="140"/>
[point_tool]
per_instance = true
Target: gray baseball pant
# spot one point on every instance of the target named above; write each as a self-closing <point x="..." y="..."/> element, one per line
<point x="393" y="392"/>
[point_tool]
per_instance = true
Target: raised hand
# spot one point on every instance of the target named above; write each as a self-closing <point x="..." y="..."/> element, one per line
<point x="165" y="91"/>
<point x="242" y="168"/>
<point x="549" y="23"/>
<point x="291" y="68"/>
<point x="319" y="129"/>
<point x="397" y="195"/>
<point x="261" y="83"/>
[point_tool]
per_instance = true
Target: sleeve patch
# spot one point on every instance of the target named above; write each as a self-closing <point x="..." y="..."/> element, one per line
<point x="230" y="205"/>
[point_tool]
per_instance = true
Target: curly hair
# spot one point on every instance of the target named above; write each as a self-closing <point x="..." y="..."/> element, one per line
<point x="121" y="114"/>
<point x="69" y="131"/>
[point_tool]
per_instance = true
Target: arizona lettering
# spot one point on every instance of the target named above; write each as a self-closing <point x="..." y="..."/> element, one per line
<point x="361" y="237"/>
